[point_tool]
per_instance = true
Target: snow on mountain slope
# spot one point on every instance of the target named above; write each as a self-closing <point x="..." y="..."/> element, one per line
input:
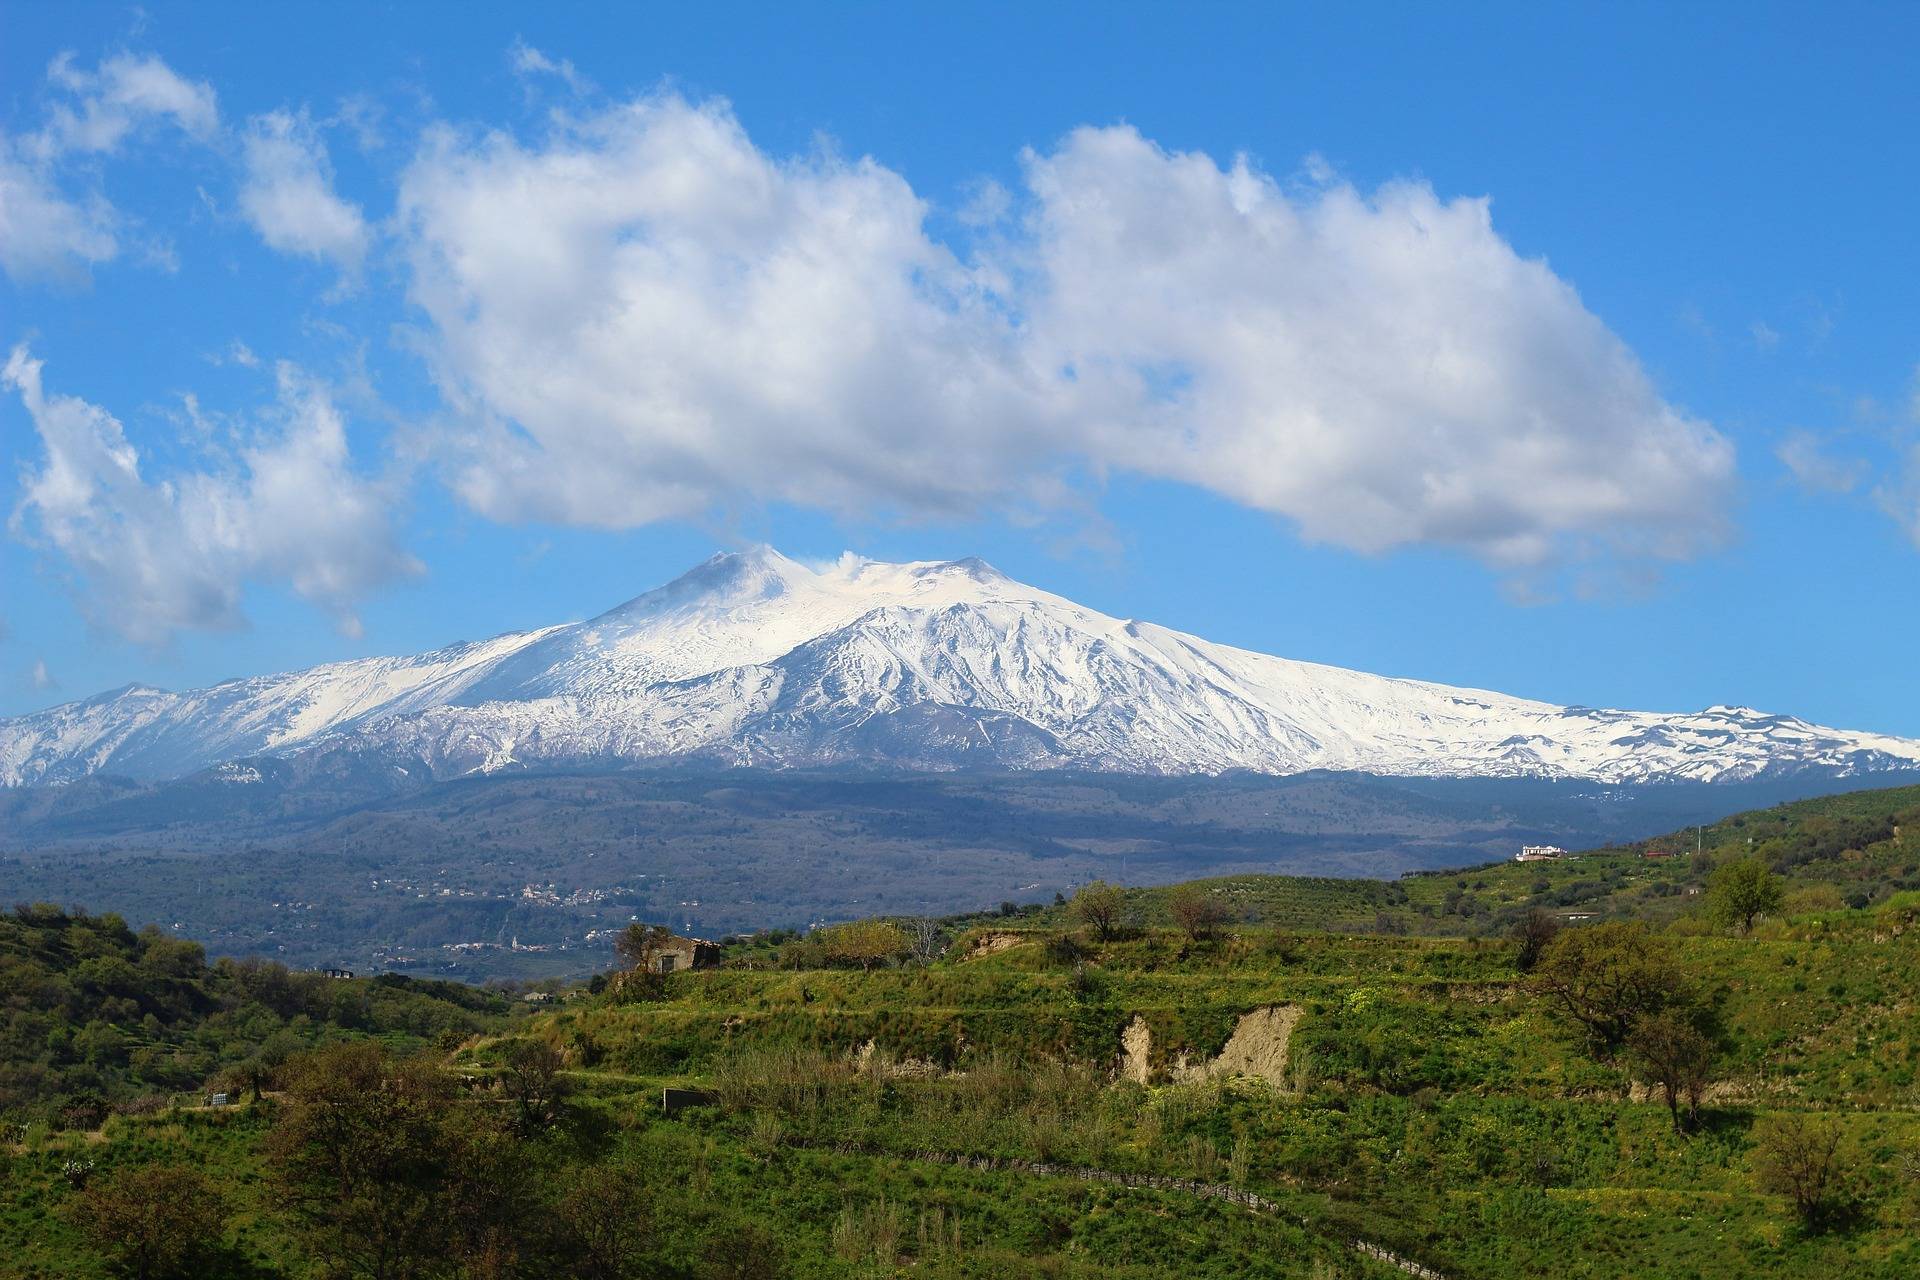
<point x="145" y="732"/>
<point x="752" y="658"/>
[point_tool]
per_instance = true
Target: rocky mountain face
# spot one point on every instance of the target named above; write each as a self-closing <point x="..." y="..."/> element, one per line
<point x="754" y="659"/>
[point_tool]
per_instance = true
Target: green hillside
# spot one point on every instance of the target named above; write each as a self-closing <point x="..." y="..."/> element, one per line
<point x="94" y="1016"/>
<point x="1854" y="850"/>
<point x="1311" y="1078"/>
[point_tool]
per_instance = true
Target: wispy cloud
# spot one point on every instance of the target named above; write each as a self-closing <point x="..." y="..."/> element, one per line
<point x="1899" y="494"/>
<point x="55" y="226"/>
<point x="44" y="231"/>
<point x="1813" y="468"/>
<point x="123" y="93"/>
<point x="528" y="62"/>
<point x="149" y="557"/>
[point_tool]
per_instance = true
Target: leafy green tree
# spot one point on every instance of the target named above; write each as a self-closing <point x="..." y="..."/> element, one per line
<point x="867" y="943"/>
<point x="361" y="1154"/>
<point x="255" y="1073"/>
<point x="1605" y="977"/>
<point x="1098" y="906"/>
<point x="152" y="1221"/>
<point x="1742" y="891"/>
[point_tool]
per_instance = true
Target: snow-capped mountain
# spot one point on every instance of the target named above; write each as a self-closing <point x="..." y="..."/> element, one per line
<point x="753" y="658"/>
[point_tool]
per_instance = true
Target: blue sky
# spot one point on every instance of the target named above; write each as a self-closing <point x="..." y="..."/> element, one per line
<point x="365" y="328"/>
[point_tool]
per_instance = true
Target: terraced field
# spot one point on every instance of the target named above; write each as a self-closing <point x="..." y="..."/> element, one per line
<point x="1423" y="1100"/>
<point x="1338" y="1079"/>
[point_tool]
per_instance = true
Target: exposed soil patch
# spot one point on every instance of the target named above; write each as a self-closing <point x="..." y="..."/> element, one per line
<point x="1136" y="1052"/>
<point x="1258" y="1047"/>
<point x="988" y="943"/>
<point x="869" y="1058"/>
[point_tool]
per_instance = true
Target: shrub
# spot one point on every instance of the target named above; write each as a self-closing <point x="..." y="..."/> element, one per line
<point x="870" y="1233"/>
<point x="1065" y="949"/>
<point x="867" y="943"/>
<point x="795" y="1083"/>
<point x="742" y="1251"/>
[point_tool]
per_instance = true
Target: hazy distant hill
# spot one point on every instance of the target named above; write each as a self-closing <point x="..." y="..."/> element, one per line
<point x="323" y="867"/>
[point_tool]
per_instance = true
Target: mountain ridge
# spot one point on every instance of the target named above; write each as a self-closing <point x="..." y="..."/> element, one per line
<point x="751" y="658"/>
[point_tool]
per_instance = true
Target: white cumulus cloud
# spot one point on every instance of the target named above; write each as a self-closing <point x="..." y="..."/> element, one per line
<point x="1383" y="369"/>
<point x="151" y="556"/>
<point x="642" y="315"/>
<point x="287" y="194"/>
<point x="646" y="315"/>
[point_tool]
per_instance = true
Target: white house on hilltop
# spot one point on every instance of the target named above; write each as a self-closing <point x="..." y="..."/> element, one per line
<point x="1540" y="853"/>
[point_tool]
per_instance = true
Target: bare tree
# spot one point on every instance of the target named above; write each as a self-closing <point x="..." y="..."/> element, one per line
<point x="155" y="1221"/>
<point x="1676" y="1055"/>
<point x="1098" y="906"/>
<point x="1798" y="1156"/>
<point x="1535" y="930"/>
<point x="605" y="1222"/>
<point x="1197" y="912"/>
<point x="926" y="940"/>
<point x="534" y="1083"/>
<point x="638" y="944"/>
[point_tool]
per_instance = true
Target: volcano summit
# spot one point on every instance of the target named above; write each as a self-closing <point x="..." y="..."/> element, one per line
<point x="752" y="658"/>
